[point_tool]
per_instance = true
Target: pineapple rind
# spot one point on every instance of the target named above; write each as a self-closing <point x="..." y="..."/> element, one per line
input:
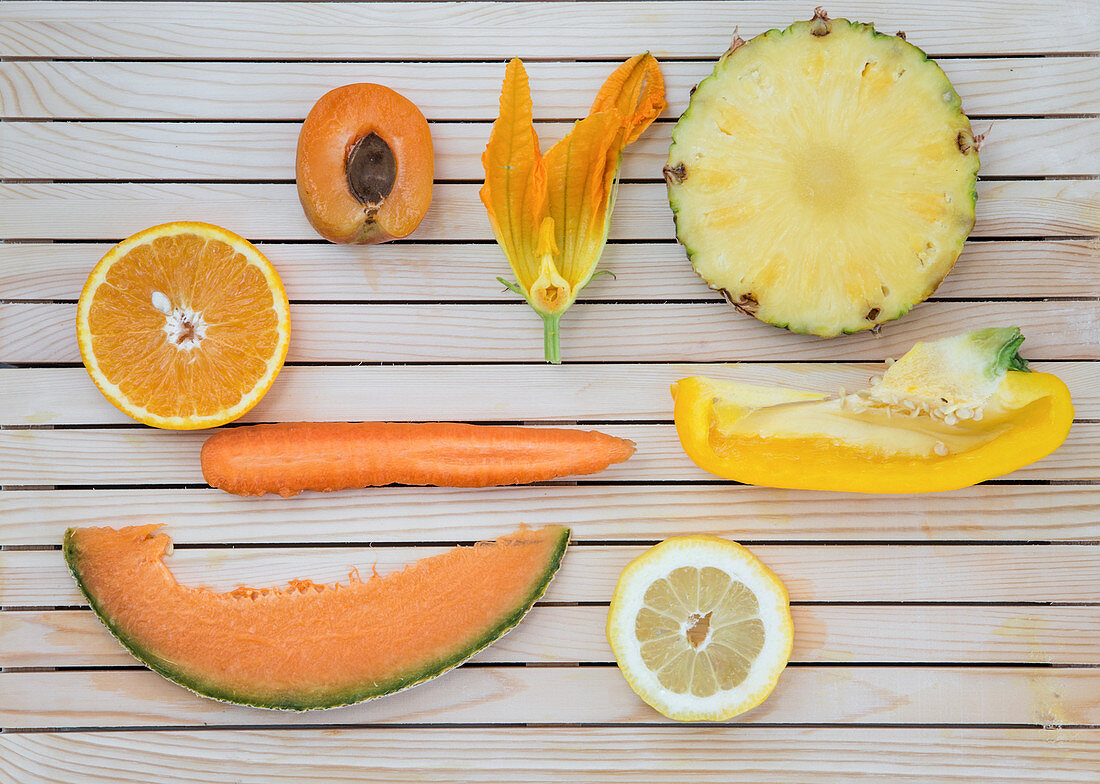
<point x="799" y="313"/>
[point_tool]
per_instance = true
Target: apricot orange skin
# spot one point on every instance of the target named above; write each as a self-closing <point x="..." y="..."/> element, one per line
<point x="336" y="122"/>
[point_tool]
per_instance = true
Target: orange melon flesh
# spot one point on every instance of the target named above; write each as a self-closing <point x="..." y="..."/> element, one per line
<point x="311" y="646"/>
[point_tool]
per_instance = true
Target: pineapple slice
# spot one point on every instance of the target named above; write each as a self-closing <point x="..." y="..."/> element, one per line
<point x="823" y="177"/>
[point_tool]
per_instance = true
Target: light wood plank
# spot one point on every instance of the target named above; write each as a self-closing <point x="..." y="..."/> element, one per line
<point x="566" y="393"/>
<point x="414" y="272"/>
<point x="44" y="333"/>
<point x="166" y="90"/>
<point x="849" y="573"/>
<point x="111" y="211"/>
<point x="30" y="396"/>
<point x="163" y="457"/>
<point x="1037" y="696"/>
<point x="824" y="633"/>
<point x="411" y="31"/>
<point x="734" y="754"/>
<point x="994" y="512"/>
<point x="560" y="91"/>
<point x="266" y="151"/>
<point x="804" y="695"/>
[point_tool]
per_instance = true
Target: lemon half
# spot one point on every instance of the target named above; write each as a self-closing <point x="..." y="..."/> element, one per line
<point x="701" y="629"/>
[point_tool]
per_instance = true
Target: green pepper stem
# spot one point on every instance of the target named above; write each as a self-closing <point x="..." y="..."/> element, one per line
<point x="551" y="342"/>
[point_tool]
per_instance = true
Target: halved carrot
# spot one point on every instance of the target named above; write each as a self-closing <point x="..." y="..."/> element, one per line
<point x="291" y="457"/>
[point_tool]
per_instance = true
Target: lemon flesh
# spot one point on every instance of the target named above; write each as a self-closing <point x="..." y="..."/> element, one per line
<point x="699" y="631"/>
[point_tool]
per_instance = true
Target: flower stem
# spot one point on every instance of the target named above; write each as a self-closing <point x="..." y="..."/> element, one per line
<point x="551" y="342"/>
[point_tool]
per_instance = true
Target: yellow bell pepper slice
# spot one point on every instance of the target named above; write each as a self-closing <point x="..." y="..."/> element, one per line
<point x="949" y="414"/>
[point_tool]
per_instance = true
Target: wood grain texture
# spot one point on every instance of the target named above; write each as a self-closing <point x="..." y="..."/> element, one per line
<point x="44" y="333"/>
<point x="473" y="695"/>
<point x="147" y="456"/>
<point x="562" y="635"/>
<point x="111" y="211"/>
<point x="733" y="754"/>
<point x="203" y="101"/>
<point x="415" y="272"/>
<point x="561" y="91"/>
<point x="440" y="31"/>
<point x="992" y="512"/>
<point x="266" y="151"/>
<point x="848" y="573"/>
<point x="528" y="393"/>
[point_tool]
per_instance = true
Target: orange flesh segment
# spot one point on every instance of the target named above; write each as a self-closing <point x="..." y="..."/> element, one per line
<point x="334" y="125"/>
<point x="208" y="276"/>
<point x="309" y="642"/>
<point x="287" y="458"/>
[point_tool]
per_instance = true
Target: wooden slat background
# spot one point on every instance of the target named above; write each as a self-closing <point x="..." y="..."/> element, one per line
<point x="440" y="31"/>
<point x="99" y="211"/>
<point x="1050" y="147"/>
<point x="939" y="638"/>
<point x="550" y="755"/>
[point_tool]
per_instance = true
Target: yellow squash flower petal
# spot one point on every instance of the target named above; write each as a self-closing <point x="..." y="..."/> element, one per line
<point x="514" y="193"/>
<point x="551" y="215"/>
<point x="578" y="197"/>
<point x="637" y="90"/>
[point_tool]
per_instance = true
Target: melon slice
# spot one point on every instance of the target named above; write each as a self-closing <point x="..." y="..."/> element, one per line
<point x="311" y="646"/>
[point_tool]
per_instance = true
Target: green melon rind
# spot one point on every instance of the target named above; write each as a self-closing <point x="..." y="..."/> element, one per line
<point x="218" y="691"/>
<point x="797" y="28"/>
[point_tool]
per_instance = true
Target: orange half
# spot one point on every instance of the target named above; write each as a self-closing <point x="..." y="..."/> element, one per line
<point x="183" y="326"/>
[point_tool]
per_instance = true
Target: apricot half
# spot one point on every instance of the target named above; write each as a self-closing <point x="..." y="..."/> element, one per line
<point x="364" y="165"/>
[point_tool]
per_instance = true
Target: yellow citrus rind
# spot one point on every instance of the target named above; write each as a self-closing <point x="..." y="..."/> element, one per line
<point x="741" y="566"/>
